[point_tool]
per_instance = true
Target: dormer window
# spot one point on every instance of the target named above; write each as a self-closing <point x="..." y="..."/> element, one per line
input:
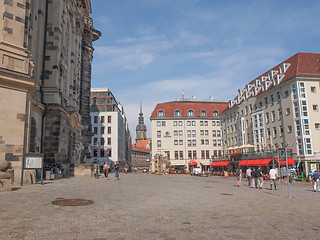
<point x="177" y="113"/>
<point x="190" y="113"/>
<point x="215" y="113"/>
<point x="160" y="113"/>
<point x="203" y="113"/>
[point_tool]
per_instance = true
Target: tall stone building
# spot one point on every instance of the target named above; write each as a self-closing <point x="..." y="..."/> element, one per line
<point x="45" y="79"/>
<point x="141" y="129"/>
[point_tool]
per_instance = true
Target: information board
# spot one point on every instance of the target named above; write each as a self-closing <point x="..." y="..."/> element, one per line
<point x="33" y="162"/>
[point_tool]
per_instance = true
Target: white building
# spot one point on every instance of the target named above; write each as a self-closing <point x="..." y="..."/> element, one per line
<point x="109" y="127"/>
<point x="279" y="109"/>
<point x="187" y="129"/>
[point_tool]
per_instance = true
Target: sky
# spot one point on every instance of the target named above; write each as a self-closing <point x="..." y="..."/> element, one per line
<point x="151" y="50"/>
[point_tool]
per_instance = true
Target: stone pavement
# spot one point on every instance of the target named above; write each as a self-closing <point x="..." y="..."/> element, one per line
<point x="145" y="206"/>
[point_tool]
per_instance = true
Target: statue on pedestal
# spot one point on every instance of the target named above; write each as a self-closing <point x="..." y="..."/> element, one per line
<point x="161" y="164"/>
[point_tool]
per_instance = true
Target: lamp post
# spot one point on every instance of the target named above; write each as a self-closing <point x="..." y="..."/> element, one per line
<point x="97" y="168"/>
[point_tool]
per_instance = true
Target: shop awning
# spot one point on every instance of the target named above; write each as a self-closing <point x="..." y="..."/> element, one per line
<point x="193" y="163"/>
<point x="290" y="161"/>
<point x="265" y="162"/>
<point x="255" y="162"/>
<point x="219" y="164"/>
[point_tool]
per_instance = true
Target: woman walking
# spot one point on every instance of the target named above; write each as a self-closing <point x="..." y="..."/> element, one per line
<point x="106" y="168"/>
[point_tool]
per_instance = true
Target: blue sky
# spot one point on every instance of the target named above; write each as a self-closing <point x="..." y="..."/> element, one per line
<point x="151" y="50"/>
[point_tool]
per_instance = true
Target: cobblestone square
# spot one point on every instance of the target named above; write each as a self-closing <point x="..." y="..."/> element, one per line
<point x="145" y="206"/>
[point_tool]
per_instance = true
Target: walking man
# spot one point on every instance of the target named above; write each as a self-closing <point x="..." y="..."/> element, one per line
<point x="239" y="176"/>
<point x="260" y="177"/>
<point x="248" y="172"/>
<point x="254" y="177"/>
<point x="273" y="178"/>
<point x="316" y="180"/>
<point x="116" y="170"/>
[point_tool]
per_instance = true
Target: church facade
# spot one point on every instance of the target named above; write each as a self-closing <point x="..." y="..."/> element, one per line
<point x="45" y="79"/>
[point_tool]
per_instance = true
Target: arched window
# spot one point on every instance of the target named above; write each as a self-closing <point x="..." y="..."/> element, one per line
<point x="190" y="113"/>
<point x="215" y="113"/>
<point x="203" y="113"/>
<point x="177" y="113"/>
<point x="160" y="113"/>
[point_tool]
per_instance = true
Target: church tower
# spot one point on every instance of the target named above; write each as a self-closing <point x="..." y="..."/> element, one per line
<point x="141" y="129"/>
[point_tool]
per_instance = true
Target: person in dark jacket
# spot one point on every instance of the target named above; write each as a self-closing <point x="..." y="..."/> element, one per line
<point x="254" y="175"/>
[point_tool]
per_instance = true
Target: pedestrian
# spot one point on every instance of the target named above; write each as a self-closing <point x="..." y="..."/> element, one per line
<point x="316" y="180"/>
<point x="248" y="172"/>
<point x="106" y="168"/>
<point x="126" y="168"/>
<point x="260" y="177"/>
<point x="273" y="178"/>
<point x="239" y="176"/>
<point x="254" y="178"/>
<point x="116" y="170"/>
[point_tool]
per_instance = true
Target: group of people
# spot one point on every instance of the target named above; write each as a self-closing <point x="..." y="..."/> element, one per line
<point x="106" y="169"/>
<point x="255" y="177"/>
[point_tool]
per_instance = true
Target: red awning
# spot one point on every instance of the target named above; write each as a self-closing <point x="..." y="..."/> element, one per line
<point x="193" y="163"/>
<point x="290" y="161"/>
<point x="265" y="162"/>
<point x="219" y="164"/>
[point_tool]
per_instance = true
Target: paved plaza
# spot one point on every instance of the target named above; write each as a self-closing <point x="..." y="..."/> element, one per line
<point x="145" y="206"/>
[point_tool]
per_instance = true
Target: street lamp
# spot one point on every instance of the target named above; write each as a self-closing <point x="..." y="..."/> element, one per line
<point x="97" y="168"/>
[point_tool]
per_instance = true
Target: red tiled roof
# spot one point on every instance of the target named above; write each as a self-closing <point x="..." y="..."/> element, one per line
<point x="142" y="146"/>
<point x="184" y="106"/>
<point x="301" y="65"/>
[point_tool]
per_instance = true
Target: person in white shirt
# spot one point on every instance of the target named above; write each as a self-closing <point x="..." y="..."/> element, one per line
<point x="248" y="173"/>
<point x="273" y="178"/>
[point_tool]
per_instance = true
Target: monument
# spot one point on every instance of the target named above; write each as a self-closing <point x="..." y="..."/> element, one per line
<point x="161" y="164"/>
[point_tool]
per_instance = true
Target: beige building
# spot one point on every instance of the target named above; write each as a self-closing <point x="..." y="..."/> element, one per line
<point x="46" y="52"/>
<point x="187" y="129"/>
<point x="279" y="109"/>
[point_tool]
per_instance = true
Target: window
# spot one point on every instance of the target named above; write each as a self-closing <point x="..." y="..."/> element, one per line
<point x="266" y="101"/>
<point x="201" y="123"/>
<point x="102" y="141"/>
<point x="279" y="113"/>
<point x="188" y="123"/>
<point x="215" y="113"/>
<point x="289" y="129"/>
<point x="207" y="142"/>
<point x="109" y="141"/>
<point x="193" y="123"/>
<point x="175" y="142"/>
<point x="315" y="107"/>
<point x="181" y="155"/>
<point x="177" y="113"/>
<point x="313" y="89"/>
<point x="214" y="143"/>
<point x="219" y="142"/>
<point x="109" y="130"/>
<point x="203" y="113"/>
<point x="175" y="132"/>
<point x="158" y="134"/>
<point x="102" y="153"/>
<point x="193" y="133"/>
<point x="189" y="154"/>
<point x="102" y="130"/>
<point x="102" y="119"/>
<point x="202" y="141"/>
<point x="180" y="123"/>
<point x="95" y="141"/>
<point x="278" y="96"/>
<point x="206" y="123"/>
<point x="167" y="153"/>
<point x="287" y="111"/>
<point x="218" y="123"/>
<point x="176" y="155"/>
<point x="109" y="119"/>
<point x="214" y="134"/>
<point x="274" y="132"/>
<point x="268" y="133"/>
<point x="317" y="126"/>
<point x="286" y="93"/>
<point x="260" y="104"/>
<point x="180" y="142"/>
<point x="159" y="143"/>
<point x="158" y="123"/>
<point x="180" y="132"/>
<point x="189" y="133"/>
<point x="272" y="99"/>
<point x="95" y="130"/>
<point x="218" y="133"/>
<point x="189" y="143"/>
<point x="190" y="113"/>
<point x="160" y="113"/>
<point x="273" y="116"/>
<point x="194" y="143"/>
<point x="203" y="154"/>
<point x="201" y="132"/>
<point x="206" y="132"/>
<point x="95" y="119"/>
<point x="163" y="123"/>
<point x="175" y="123"/>
<point x="194" y="154"/>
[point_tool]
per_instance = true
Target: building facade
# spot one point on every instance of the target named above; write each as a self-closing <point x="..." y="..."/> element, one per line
<point x="110" y="129"/>
<point x="45" y="77"/>
<point x="278" y="110"/>
<point x="187" y="129"/>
